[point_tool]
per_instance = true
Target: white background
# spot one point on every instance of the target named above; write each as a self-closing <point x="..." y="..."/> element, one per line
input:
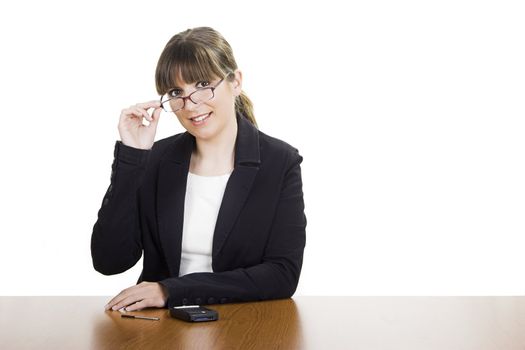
<point x="409" y="115"/>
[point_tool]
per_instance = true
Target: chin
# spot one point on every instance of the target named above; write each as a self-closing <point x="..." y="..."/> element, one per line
<point x="202" y="133"/>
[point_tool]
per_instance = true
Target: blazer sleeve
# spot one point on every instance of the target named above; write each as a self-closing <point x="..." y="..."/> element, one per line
<point x="275" y="277"/>
<point x="116" y="243"/>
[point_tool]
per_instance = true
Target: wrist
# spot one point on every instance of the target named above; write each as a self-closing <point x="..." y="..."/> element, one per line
<point x="130" y="154"/>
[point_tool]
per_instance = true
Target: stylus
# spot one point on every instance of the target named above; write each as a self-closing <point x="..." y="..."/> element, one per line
<point x="141" y="317"/>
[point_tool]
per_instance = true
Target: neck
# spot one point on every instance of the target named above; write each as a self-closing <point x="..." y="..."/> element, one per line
<point x="215" y="156"/>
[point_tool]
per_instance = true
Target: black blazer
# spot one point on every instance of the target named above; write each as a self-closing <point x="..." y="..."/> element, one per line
<point x="259" y="236"/>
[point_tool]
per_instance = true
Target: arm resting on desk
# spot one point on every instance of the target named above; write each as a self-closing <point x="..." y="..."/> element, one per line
<point x="275" y="277"/>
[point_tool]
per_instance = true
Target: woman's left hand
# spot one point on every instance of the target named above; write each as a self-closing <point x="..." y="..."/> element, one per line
<point x="142" y="295"/>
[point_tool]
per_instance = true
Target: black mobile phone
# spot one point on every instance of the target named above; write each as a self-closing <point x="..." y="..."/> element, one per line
<point x="194" y="313"/>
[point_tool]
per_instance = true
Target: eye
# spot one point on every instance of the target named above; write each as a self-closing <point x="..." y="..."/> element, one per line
<point x="174" y="93"/>
<point x="202" y="84"/>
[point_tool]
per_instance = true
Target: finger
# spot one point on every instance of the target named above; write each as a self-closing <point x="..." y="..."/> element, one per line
<point x="125" y="114"/>
<point x="132" y="299"/>
<point x="149" y="104"/>
<point x="130" y="115"/>
<point x="141" y="113"/>
<point x="156" y="115"/>
<point x="113" y="301"/>
<point x="128" y="296"/>
<point x="119" y="297"/>
<point x="138" y="305"/>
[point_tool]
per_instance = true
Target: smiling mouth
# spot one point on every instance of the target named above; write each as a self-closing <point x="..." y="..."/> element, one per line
<point x="200" y="118"/>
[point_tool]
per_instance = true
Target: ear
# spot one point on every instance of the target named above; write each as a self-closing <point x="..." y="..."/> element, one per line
<point x="237" y="82"/>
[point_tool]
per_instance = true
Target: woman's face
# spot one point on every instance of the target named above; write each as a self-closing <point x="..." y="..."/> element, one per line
<point x="210" y="118"/>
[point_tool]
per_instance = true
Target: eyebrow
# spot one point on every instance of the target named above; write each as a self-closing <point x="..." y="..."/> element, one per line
<point x="198" y="81"/>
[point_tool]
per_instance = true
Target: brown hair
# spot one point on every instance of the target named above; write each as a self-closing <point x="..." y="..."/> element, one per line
<point x="199" y="54"/>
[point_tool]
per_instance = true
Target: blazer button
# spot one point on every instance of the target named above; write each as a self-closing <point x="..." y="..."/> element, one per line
<point x="223" y="300"/>
<point x="211" y="300"/>
<point x="184" y="301"/>
<point x="198" y="301"/>
<point x="106" y="201"/>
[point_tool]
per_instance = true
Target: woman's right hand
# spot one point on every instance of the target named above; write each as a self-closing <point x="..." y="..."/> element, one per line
<point x="132" y="132"/>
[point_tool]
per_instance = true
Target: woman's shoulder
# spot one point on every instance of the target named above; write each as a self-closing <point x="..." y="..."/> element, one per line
<point x="272" y="147"/>
<point x="275" y="143"/>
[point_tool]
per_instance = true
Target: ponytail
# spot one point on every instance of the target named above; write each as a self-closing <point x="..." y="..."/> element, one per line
<point x="244" y="106"/>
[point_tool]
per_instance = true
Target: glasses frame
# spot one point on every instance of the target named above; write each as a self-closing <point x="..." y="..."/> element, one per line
<point x="184" y="98"/>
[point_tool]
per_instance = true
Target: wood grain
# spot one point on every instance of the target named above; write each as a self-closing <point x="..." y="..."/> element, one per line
<point x="477" y="323"/>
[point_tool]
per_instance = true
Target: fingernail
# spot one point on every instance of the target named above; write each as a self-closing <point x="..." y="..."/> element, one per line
<point x="114" y="308"/>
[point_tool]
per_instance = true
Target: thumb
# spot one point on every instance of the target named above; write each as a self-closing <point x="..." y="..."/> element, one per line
<point x="155" y="117"/>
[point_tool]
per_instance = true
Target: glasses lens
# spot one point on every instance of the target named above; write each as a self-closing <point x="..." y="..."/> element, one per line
<point x="201" y="95"/>
<point x="174" y="104"/>
<point x="171" y="105"/>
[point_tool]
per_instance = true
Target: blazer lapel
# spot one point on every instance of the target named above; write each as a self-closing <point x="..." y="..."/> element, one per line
<point x="247" y="160"/>
<point x="171" y="192"/>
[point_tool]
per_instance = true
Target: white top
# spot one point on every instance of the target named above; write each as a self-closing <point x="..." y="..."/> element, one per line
<point x="201" y="208"/>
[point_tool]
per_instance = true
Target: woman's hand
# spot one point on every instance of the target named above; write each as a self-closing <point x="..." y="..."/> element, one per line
<point x="132" y="132"/>
<point x="142" y="295"/>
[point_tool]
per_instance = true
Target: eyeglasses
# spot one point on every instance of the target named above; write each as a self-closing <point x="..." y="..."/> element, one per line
<point x="173" y="104"/>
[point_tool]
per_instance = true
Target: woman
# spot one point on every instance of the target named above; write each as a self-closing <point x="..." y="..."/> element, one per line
<point x="218" y="210"/>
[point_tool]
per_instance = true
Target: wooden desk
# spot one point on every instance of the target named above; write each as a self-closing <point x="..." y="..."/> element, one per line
<point x="444" y="323"/>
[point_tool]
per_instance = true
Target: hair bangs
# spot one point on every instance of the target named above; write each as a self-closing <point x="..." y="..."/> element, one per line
<point x="188" y="62"/>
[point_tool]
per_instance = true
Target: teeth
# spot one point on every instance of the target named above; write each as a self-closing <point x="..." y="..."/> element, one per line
<point x="198" y="119"/>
